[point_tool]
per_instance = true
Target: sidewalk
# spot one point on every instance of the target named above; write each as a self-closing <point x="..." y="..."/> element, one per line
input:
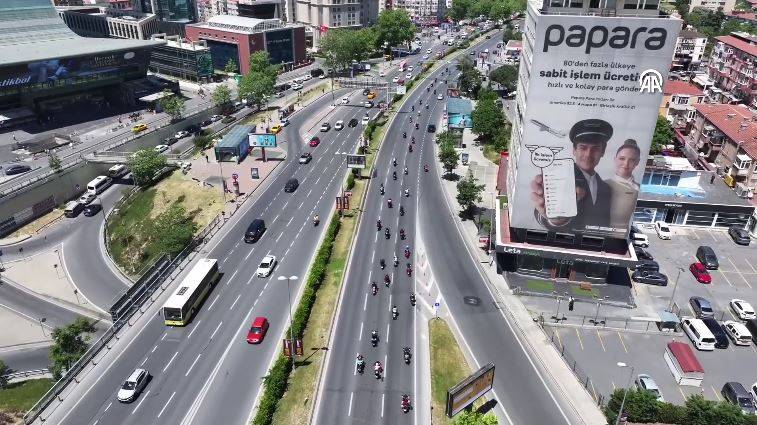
<point x="569" y="392"/>
<point x="18" y="330"/>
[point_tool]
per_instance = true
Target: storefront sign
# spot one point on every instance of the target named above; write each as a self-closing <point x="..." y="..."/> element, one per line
<point x="590" y="113"/>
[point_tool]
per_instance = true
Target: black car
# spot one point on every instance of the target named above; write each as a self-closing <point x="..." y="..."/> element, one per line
<point x="366" y="91"/>
<point x="706" y="255"/>
<point x="431" y="128"/>
<point x="193" y="128"/>
<point x="650" y="278"/>
<point x="170" y="140"/>
<point x="91" y="210"/>
<point x="291" y="185"/>
<point x="305" y="158"/>
<point x="642" y="254"/>
<point x="206" y="123"/>
<point x="352" y="123"/>
<point x="17" y="169"/>
<point x="739" y="235"/>
<point x="721" y="338"/>
<point x="647" y="265"/>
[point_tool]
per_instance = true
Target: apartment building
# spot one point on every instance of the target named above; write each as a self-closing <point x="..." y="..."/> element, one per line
<point x="678" y="100"/>
<point x="319" y="16"/>
<point x="689" y="51"/>
<point x="731" y="69"/>
<point x="725" y="5"/>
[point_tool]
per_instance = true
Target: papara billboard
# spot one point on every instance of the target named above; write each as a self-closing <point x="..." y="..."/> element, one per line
<point x="594" y="91"/>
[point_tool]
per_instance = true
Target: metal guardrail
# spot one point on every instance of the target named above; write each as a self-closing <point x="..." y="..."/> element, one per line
<point x="162" y="277"/>
<point x="583" y="378"/>
<point x="4" y="379"/>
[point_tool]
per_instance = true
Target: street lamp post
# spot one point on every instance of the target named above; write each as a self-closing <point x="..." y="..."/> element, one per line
<point x="625" y="392"/>
<point x="291" y="330"/>
<point x="675" y="285"/>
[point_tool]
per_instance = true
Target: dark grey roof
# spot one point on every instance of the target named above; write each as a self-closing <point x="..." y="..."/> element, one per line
<point x="31" y="30"/>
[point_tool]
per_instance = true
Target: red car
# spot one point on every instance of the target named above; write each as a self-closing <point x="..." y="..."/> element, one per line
<point x="700" y="273"/>
<point x="314" y="141"/>
<point x="401" y="81"/>
<point x="257" y="330"/>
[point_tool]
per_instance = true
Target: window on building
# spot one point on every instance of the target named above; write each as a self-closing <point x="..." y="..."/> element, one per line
<point x="565" y="238"/>
<point x="644" y="215"/>
<point x="731" y="219"/>
<point x="595" y="270"/>
<point x="530" y="262"/>
<point x="592" y="241"/>
<point x="700" y="218"/>
<point x="536" y="235"/>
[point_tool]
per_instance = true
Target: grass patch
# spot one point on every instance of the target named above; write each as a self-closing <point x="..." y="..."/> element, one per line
<point x="491" y="153"/>
<point x="21" y="396"/>
<point x="131" y="236"/>
<point x="35" y="226"/>
<point x="540" y="286"/>
<point x="448" y="367"/>
<point x="577" y="290"/>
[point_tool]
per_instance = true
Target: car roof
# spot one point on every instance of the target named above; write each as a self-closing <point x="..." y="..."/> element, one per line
<point x="134" y="375"/>
<point x="259" y="321"/>
<point x="269" y="257"/>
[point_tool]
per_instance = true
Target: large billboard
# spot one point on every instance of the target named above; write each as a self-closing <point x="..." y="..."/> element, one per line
<point x="593" y="96"/>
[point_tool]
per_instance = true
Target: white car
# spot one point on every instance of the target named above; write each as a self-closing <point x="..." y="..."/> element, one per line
<point x="161" y="148"/>
<point x="738" y="333"/>
<point x="266" y="266"/>
<point x="133" y="385"/>
<point x="296" y="86"/>
<point x="181" y="134"/>
<point x="428" y="51"/>
<point x="216" y="117"/>
<point x="339" y="125"/>
<point x="382" y="74"/>
<point x="662" y="229"/>
<point x="345" y="100"/>
<point x="366" y="119"/>
<point x="425" y="57"/>
<point x="87" y="198"/>
<point x="306" y="77"/>
<point x="742" y="309"/>
<point x="408" y="76"/>
<point x="395" y="79"/>
<point x="439" y="96"/>
<point x="410" y="68"/>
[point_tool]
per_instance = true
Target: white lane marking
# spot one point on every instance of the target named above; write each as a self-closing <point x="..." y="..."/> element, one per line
<point x="349" y="410"/>
<point x="235" y="302"/>
<point x="153" y="349"/>
<point x="192" y="367"/>
<point x="280" y="235"/>
<point x="167" y="403"/>
<point x="214" y="332"/>
<point x="194" y="328"/>
<point x="143" y="362"/>
<point x="164" y="336"/>
<point x="382" y="405"/>
<point x="170" y="361"/>
<point x="233" y="275"/>
<point x="140" y="402"/>
<point x="106" y="409"/>
<point x="387" y="333"/>
<point x="365" y="302"/>
<point x="214" y="302"/>
<point x="248" y="255"/>
<point x="360" y="335"/>
<point x="290" y="221"/>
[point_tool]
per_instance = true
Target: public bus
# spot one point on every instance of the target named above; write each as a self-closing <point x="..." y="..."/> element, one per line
<point x="183" y="304"/>
<point x="99" y="184"/>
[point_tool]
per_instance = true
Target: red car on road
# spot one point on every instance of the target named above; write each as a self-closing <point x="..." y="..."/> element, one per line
<point x="700" y="273"/>
<point x="257" y="330"/>
<point x="314" y="141"/>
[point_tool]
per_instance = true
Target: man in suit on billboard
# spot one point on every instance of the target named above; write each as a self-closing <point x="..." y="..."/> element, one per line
<point x="593" y="196"/>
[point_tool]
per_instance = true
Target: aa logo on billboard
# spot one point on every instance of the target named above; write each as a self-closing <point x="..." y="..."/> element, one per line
<point x="650" y="81"/>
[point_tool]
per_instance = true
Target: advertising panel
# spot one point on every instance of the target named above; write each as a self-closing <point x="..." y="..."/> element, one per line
<point x="470" y="389"/>
<point x="55" y="71"/>
<point x="592" y="103"/>
<point x="266" y="140"/>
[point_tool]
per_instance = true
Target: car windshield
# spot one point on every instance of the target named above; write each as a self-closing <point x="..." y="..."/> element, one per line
<point x="746" y="402"/>
<point x="129" y="385"/>
<point x="265" y="264"/>
<point x="170" y="313"/>
<point x="706" y="308"/>
<point x="664" y="228"/>
<point x="256" y="329"/>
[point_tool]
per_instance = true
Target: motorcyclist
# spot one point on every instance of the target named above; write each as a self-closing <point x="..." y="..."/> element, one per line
<point x="412" y="107"/>
<point x="425" y="168"/>
<point x="381" y="189"/>
<point x="374" y="288"/>
<point x="395" y="313"/>
<point x="316" y="220"/>
<point x="406" y="354"/>
<point x="402" y="210"/>
<point x="382" y="263"/>
<point x="419" y="111"/>
<point x="412" y="299"/>
<point x="405" y="403"/>
<point x="394" y="161"/>
<point x="377" y="369"/>
<point x="394" y="175"/>
<point x="405" y="170"/>
<point x="386" y="233"/>
<point x="404" y="134"/>
<point x="389" y="203"/>
<point x="396" y="260"/>
<point x="407" y="193"/>
<point x="378" y="224"/>
<point x="410" y="148"/>
<point x="409" y="270"/>
<point x="387" y="279"/>
<point x="427" y="103"/>
<point x="360" y="363"/>
<point x="402" y="234"/>
<point x="416" y="125"/>
<point x="434" y="91"/>
<point x="428" y="88"/>
<point x="412" y="139"/>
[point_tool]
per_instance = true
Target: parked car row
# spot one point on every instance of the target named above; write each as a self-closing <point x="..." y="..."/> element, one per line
<point x="707" y="334"/>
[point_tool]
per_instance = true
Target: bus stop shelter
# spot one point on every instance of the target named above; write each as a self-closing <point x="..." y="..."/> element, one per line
<point x="235" y="145"/>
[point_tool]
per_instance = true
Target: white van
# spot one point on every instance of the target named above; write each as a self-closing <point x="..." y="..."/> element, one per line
<point x="99" y="184"/>
<point x="699" y="334"/>
<point x="117" y="171"/>
<point x="640" y="239"/>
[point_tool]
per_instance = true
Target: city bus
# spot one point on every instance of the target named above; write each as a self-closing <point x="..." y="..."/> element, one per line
<point x="183" y="304"/>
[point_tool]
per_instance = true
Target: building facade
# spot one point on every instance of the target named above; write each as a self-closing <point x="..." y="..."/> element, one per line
<point x="422" y="12"/>
<point x="576" y="225"/>
<point x="185" y="60"/>
<point x="689" y="51"/>
<point x="732" y="69"/>
<point x="725" y="5"/>
<point x="118" y="23"/>
<point x="678" y="100"/>
<point x="321" y="16"/>
<point x="236" y="38"/>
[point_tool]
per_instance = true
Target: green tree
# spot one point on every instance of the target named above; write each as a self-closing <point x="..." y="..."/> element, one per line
<point x="487" y="117"/>
<point x="728" y="414"/>
<point x="394" y="28"/>
<point x="145" y="164"/>
<point x="475" y="418"/>
<point x="53" y="160"/>
<point x="202" y="142"/>
<point x="175" y="229"/>
<point x="231" y="66"/>
<point x="506" y="76"/>
<point x="699" y="411"/>
<point x="470" y="78"/>
<point x="69" y="344"/>
<point x="221" y="95"/>
<point x="3" y="371"/>
<point x="260" y="82"/>
<point x="469" y="192"/>
<point x="663" y="134"/>
<point x="172" y="104"/>
<point x="502" y="138"/>
<point x="459" y="9"/>
<point x="448" y="155"/>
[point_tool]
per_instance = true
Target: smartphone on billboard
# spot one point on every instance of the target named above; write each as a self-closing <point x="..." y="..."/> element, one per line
<point x="559" y="189"/>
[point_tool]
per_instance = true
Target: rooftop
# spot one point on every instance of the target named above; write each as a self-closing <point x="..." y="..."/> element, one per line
<point x="737" y="122"/>
<point x="681" y="87"/>
<point x="739" y="44"/>
<point x="235" y="135"/>
<point x="514" y="44"/>
<point x="32" y="31"/>
<point x="459" y="106"/>
<point x="689" y="33"/>
<point x="717" y="193"/>
<point x="240" y="24"/>
<point x="747" y="16"/>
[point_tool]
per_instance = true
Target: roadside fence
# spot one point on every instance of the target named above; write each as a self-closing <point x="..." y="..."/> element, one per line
<point x="583" y="378"/>
<point x="10" y="378"/>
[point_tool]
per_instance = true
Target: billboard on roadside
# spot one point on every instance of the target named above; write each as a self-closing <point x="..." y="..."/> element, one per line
<point x="595" y="87"/>
<point x="469" y="390"/>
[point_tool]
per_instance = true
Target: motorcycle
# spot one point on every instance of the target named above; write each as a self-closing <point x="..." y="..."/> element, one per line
<point x="378" y="225"/>
<point x="416" y="125"/>
<point x="405" y="171"/>
<point x="396" y="261"/>
<point x="389" y="203"/>
<point x="412" y="300"/>
<point x="402" y="211"/>
<point x="410" y="148"/>
<point x="394" y="162"/>
<point x="425" y="169"/>
<point x="395" y="313"/>
<point x="394" y="175"/>
<point x="377" y="369"/>
<point x="316" y="221"/>
<point x="427" y="103"/>
<point x="381" y="189"/>
<point x="407" y="253"/>
<point x="409" y="271"/>
<point x="407" y="193"/>
<point x="360" y="366"/>
<point x="405" y="403"/>
<point x="374" y="289"/>
<point x="402" y="234"/>
<point x="374" y="338"/>
<point x="404" y="135"/>
<point x="387" y="234"/>
<point x="382" y="263"/>
<point x="406" y="354"/>
<point x="387" y="280"/>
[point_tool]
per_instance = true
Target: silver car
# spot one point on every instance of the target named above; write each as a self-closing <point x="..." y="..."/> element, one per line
<point x="646" y="383"/>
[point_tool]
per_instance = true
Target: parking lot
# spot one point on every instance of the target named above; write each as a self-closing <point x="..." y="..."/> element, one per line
<point x="597" y="351"/>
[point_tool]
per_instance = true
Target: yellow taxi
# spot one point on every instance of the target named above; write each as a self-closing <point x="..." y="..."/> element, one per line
<point x="275" y="128"/>
<point x="372" y="95"/>
<point x="139" y="128"/>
